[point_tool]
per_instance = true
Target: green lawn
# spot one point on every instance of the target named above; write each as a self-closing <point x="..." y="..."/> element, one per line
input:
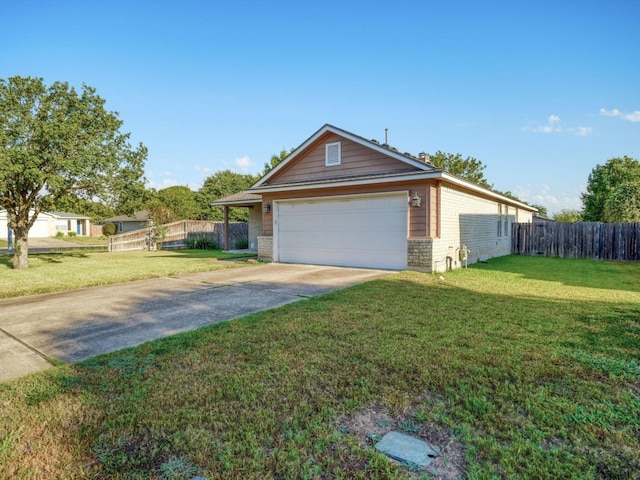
<point x="59" y="271"/>
<point x="519" y="368"/>
<point x="81" y="240"/>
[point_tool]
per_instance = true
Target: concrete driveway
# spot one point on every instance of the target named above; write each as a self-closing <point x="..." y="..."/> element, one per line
<point x="73" y="326"/>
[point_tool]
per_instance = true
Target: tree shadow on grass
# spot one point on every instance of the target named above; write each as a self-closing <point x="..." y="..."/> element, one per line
<point x="49" y="257"/>
<point x="56" y="257"/>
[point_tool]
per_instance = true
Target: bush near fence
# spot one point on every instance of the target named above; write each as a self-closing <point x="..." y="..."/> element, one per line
<point x="595" y="240"/>
<point x="175" y="235"/>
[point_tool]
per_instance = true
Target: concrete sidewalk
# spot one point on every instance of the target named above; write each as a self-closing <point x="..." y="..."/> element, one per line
<point x="73" y="326"/>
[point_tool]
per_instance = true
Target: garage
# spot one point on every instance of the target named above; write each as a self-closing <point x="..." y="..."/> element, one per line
<point x="350" y="230"/>
<point x="40" y="228"/>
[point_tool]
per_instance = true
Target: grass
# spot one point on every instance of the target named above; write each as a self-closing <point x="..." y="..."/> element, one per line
<point x="531" y="365"/>
<point x="82" y="240"/>
<point x="59" y="271"/>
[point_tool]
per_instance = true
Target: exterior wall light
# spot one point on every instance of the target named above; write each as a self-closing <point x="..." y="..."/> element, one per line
<point x="266" y="208"/>
<point x="416" y="201"/>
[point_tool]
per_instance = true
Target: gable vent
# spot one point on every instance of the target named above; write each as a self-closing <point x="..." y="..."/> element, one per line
<point x="333" y="154"/>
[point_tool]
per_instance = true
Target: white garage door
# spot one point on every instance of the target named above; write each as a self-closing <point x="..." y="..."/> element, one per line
<point x="40" y="228"/>
<point x="355" y="231"/>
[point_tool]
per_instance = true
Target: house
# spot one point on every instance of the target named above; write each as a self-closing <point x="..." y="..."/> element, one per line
<point x="340" y="199"/>
<point x="127" y="223"/>
<point x="49" y="223"/>
<point x="66" y="222"/>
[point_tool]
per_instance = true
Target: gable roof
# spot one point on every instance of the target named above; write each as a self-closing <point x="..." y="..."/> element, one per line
<point x="385" y="149"/>
<point x="141" y="216"/>
<point x="67" y="215"/>
<point x="417" y="170"/>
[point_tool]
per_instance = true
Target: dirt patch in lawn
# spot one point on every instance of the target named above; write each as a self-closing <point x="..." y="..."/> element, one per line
<point x="372" y="423"/>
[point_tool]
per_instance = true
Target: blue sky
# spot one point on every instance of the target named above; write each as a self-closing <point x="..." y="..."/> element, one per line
<point x="539" y="91"/>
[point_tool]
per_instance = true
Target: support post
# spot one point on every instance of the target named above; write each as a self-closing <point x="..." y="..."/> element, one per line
<point x="226" y="227"/>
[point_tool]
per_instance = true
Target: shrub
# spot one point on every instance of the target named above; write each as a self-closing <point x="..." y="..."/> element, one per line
<point x="202" y="242"/>
<point x="109" y="229"/>
<point x="59" y="234"/>
<point x="242" y="244"/>
<point x="72" y="234"/>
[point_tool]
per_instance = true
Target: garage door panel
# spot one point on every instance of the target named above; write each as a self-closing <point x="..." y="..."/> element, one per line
<point x="355" y="231"/>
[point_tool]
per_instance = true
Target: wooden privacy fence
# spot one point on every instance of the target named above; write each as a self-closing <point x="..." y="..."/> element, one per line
<point x="176" y="235"/>
<point x="601" y="241"/>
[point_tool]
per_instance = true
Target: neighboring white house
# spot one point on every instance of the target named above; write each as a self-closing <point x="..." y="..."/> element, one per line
<point x="49" y="223"/>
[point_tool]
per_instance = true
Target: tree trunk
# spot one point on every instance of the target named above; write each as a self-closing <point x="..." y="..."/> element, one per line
<point x="20" y="248"/>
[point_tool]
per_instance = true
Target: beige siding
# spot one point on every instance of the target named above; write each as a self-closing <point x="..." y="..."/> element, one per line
<point x="471" y="221"/>
<point x="356" y="160"/>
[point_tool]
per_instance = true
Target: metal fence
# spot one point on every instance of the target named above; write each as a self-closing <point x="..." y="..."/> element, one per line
<point x="601" y="241"/>
<point x="177" y="235"/>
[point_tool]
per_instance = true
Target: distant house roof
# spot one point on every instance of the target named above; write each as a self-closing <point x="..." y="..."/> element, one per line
<point x="240" y="199"/>
<point x="141" y="216"/>
<point x="56" y="215"/>
<point x="68" y="215"/>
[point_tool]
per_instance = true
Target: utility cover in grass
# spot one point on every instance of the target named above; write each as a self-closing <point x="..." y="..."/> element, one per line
<point x="407" y="449"/>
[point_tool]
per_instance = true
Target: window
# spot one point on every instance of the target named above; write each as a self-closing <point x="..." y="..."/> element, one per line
<point x="506" y="221"/>
<point x="499" y="220"/>
<point x="333" y="154"/>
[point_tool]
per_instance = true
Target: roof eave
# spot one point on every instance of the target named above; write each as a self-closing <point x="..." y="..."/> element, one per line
<point x="402" y="177"/>
<point x="334" y="183"/>
<point x="237" y="203"/>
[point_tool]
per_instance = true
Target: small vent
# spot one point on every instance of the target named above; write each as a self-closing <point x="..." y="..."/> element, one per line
<point x="333" y="154"/>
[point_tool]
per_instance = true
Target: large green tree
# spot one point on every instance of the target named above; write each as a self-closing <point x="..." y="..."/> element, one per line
<point x="468" y="168"/>
<point x="604" y="181"/>
<point x="567" y="215"/>
<point x="623" y="204"/>
<point x="56" y="142"/>
<point x="221" y="184"/>
<point x="172" y="204"/>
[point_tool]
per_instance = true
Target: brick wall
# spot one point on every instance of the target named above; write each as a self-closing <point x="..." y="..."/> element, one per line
<point x="420" y="253"/>
<point x="265" y="248"/>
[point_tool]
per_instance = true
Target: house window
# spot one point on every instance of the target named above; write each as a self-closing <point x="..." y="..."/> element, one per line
<point x="333" y="154"/>
<point x="506" y="221"/>
<point x="499" y="220"/>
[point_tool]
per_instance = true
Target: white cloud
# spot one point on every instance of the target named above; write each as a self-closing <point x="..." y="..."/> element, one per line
<point x="167" y="182"/>
<point x="244" y="163"/>
<point x="544" y="195"/>
<point x="553" y="126"/>
<point x="631" y="117"/>
<point x="581" y="131"/>
<point x="549" y="127"/>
